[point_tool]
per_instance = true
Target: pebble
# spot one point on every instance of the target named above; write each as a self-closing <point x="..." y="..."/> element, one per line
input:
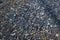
<point x="29" y="19"/>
